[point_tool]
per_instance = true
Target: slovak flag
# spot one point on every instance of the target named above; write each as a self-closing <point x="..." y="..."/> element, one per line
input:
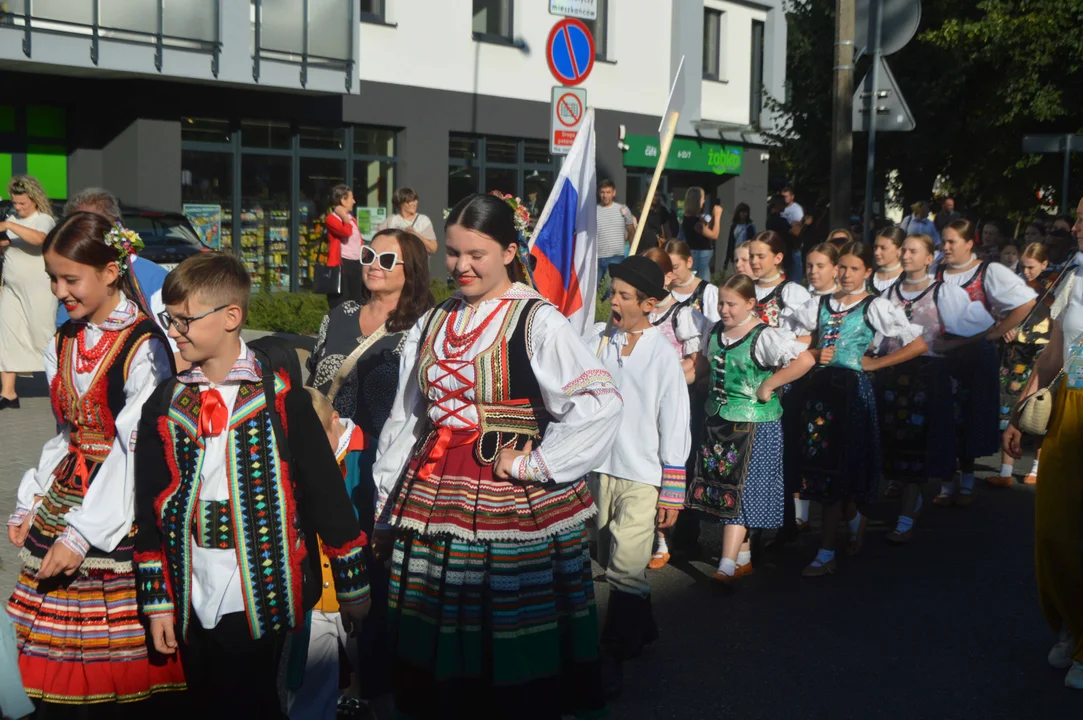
<point x="565" y="239"/>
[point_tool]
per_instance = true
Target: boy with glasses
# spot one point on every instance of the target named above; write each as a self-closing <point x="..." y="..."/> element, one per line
<point x="234" y="480"/>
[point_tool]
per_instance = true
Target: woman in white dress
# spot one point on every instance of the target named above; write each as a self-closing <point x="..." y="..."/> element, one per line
<point x="407" y="218"/>
<point x="27" y="305"/>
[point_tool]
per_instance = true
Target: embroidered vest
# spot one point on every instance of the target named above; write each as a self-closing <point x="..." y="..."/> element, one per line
<point x="924" y="310"/>
<point x="975" y="286"/>
<point x="263" y="524"/>
<point x="736" y="375"/>
<point x="667" y="325"/>
<point x="848" y="331"/>
<point x="769" y="310"/>
<point x="92" y="415"/>
<point x="505" y="390"/>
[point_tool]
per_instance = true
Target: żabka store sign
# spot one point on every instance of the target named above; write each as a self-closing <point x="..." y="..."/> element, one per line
<point x="685" y="154"/>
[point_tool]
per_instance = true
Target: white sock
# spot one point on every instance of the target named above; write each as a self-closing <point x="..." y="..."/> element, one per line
<point x="801" y="507"/>
<point x="1034" y="467"/>
<point x="824" y="556"/>
<point x="1006" y="470"/>
<point x="727" y="567"/>
<point x="855" y="524"/>
<point x="904" y="524"/>
<point x="660" y="542"/>
<point x="947" y="487"/>
<point x="966" y="481"/>
<point x="744" y="557"/>
<point x="917" y="505"/>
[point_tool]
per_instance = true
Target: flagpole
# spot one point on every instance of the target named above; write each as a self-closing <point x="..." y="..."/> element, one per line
<point x="663" y="153"/>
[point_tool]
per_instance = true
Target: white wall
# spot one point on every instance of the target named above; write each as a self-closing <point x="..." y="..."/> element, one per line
<point x="727" y="100"/>
<point x="429" y="43"/>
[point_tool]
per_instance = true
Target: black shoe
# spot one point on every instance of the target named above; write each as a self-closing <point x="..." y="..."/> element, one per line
<point x="6" y="403"/>
<point x="612" y="677"/>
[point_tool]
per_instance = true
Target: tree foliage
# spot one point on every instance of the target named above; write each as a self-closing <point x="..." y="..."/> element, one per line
<point x="979" y="75"/>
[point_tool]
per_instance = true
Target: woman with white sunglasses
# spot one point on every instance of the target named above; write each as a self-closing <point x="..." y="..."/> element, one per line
<point x="356" y="364"/>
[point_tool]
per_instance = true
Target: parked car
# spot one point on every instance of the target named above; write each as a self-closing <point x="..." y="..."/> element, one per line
<point x="168" y="236"/>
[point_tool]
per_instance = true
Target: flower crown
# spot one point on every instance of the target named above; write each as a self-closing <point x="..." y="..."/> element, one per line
<point x="126" y="243"/>
<point x="522" y="214"/>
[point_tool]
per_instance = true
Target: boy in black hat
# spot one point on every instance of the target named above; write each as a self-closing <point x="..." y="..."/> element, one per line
<point x="640" y="485"/>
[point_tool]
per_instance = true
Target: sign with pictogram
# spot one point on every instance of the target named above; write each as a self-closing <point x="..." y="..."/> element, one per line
<point x="568" y="108"/>
<point x="570" y="51"/>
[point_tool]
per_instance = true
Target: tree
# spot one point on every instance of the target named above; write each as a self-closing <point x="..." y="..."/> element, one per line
<point x="979" y="75"/>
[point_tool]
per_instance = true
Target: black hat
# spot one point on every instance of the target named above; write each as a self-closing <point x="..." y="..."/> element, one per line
<point x="643" y="274"/>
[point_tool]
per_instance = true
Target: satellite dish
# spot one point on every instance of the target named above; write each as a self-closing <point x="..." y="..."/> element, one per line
<point x="901" y="20"/>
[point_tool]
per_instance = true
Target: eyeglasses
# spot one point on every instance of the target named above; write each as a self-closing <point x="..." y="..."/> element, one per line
<point x="386" y="260"/>
<point x="181" y="322"/>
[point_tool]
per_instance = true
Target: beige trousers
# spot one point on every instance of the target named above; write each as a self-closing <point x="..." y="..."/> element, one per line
<point x="627" y="511"/>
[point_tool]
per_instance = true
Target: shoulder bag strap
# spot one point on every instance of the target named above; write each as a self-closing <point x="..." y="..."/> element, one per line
<point x="350" y="362"/>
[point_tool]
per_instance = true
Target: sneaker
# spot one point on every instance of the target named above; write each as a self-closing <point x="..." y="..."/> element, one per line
<point x="1060" y="656"/>
<point x="1074" y="678"/>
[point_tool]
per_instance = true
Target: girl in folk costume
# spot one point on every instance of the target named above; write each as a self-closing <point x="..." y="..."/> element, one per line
<point x="738" y="473"/>
<point x="687" y="288"/>
<point x="774" y="293"/>
<point x="840" y="441"/>
<point x="741" y="261"/>
<point x="683" y="326"/>
<point x="821" y="271"/>
<point x="975" y="367"/>
<point x="914" y="398"/>
<point x="887" y="251"/>
<point x="80" y="638"/>
<point x="501" y="410"/>
<point x="1021" y="347"/>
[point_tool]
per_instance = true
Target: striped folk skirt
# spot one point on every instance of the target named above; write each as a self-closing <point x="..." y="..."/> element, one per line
<point x="81" y="640"/>
<point x="487" y="627"/>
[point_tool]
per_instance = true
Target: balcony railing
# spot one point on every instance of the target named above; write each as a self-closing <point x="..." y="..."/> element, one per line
<point x="312" y="33"/>
<point x="184" y="24"/>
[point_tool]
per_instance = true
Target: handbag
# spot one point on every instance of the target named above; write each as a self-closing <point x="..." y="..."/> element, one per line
<point x="1036" y="410"/>
<point x="327" y="280"/>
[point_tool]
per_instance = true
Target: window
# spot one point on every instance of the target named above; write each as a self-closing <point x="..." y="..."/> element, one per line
<point x="523" y="168"/>
<point x="755" y="107"/>
<point x="492" y="19"/>
<point x="207" y="196"/>
<point x="712" y="44"/>
<point x="600" y="30"/>
<point x="372" y="11"/>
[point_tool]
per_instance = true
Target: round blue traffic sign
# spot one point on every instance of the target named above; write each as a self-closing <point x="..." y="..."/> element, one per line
<point x="570" y="51"/>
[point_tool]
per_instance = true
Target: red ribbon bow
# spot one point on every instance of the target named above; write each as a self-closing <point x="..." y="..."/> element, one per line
<point x="212" y="413"/>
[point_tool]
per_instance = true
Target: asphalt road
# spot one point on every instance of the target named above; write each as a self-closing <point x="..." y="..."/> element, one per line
<point x="947" y="627"/>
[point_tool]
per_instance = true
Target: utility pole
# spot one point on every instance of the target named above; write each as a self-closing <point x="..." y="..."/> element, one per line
<point x="877" y="15"/>
<point x="842" y="136"/>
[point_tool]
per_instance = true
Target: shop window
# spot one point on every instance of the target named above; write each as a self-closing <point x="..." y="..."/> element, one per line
<point x="599" y="29"/>
<point x="461" y="181"/>
<point x="756" y="99"/>
<point x="319" y="138"/>
<point x="265" y="220"/>
<point x="523" y="168"/>
<point x="501" y="150"/>
<point x="492" y="20"/>
<point x="266" y="134"/>
<point x="536" y="152"/>
<point x="372" y="11"/>
<point x="374" y="141"/>
<point x="463" y="148"/>
<point x="206" y="130"/>
<point x="207" y="196"/>
<point x="319" y="176"/>
<point x="712" y="44"/>
<point x="373" y="186"/>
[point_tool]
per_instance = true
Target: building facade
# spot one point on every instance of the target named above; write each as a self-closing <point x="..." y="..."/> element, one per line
<point x="245" y="113"/>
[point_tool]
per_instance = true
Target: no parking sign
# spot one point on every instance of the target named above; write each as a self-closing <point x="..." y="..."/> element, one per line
<point x="569" y="105"/>
<point x="570" y="51"/>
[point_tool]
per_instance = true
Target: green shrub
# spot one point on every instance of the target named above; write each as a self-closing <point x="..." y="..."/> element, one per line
<point x="294" y="313"/>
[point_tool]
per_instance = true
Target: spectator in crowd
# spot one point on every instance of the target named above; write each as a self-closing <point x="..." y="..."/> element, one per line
<point x="345" y="241"/>
<point x="1061" y="247"/>
<point x="794" y="214"/>
<point x="1034" y="233"/>
<point x="1063" y="222"/>
<point x="615" y="227"/>
<point x="27" y="304"/>
<point x="777" y="222"/>
<point x="661" y="224"/>
<point x="918" y="222"/>
<point x="741" y="230"/>
<point x="992" y="237"/>
<point x="947" y="214"/>
<point x="407" y="218"/>
<point x="701" y="230"/>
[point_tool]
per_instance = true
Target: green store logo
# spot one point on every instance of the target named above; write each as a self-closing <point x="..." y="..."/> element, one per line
<point x="724" y="160"/>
